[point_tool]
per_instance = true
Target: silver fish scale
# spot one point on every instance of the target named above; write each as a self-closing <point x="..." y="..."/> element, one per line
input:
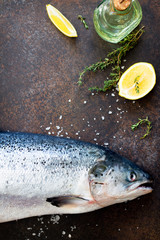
<point x="45" y="166"/>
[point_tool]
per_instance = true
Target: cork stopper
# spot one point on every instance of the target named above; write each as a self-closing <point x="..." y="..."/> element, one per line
<point x="121" y="5"/>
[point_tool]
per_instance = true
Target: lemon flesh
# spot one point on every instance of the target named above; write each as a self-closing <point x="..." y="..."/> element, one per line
<point x="60" y="21"/>
<point x="137" y="81"/>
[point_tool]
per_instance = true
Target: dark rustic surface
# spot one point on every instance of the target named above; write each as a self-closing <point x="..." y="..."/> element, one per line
<point x="38" y="89"/>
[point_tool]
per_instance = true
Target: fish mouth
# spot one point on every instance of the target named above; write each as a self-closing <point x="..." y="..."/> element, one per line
<point x="146" y="186"/>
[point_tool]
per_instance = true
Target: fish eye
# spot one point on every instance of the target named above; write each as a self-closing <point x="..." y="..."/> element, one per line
<point x="132" y="176"/>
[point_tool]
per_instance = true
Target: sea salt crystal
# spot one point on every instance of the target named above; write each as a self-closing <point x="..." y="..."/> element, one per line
<point x="119" y="109"/>
<point x="106" y="144"/>
<point x="58" y="127"/>
<point x="102" y="118"/>
<point x="122" y="67"/>
<point x="95" y="139"/>
<point x="48" y="128"/>
<point x="55" y="219"/>
<point x="69" y="235"/>
<point x="97" y="134"/>
<point x="63" y="232"/>
<point x="94" y="119"/>
<point x="72" y="228"/>
<point x="49" y="133"/>
<point x="112" y="94"/>
<point x="117" y="100"/>
<point x="110" y="112"/>
<point x="60" y="117"/>
<point x="133" y="101"/>
<point x="69" y="100"/>
<point x="85" y="102"/>
<point x="92" y="94"/>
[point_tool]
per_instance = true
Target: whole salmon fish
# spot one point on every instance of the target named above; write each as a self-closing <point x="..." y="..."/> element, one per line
<point x="42" y="175"/>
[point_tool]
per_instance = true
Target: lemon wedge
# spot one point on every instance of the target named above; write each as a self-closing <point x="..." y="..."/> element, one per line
<point x="60" y="21"/>
<point x="137" y="81"/>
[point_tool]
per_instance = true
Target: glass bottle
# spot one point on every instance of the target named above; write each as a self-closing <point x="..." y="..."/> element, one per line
<point x="115" y="19"/>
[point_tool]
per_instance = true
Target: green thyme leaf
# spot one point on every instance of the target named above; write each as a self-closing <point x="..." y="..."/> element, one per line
<point x="83" y="21"/>
<point x="140" y="122"/>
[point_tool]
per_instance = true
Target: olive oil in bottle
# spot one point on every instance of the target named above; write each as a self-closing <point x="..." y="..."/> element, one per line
<point x="115" y="19"/>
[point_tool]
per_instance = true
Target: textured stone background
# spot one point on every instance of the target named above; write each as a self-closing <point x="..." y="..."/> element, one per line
<point x="39" y="94"/>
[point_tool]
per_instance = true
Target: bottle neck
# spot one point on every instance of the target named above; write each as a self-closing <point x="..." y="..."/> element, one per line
<point x="121" y="6"/>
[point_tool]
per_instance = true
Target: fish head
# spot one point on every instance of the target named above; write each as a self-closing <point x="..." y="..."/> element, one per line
<point x="116" y="179"/>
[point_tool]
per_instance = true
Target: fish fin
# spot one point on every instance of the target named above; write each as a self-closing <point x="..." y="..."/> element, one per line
<point x="66" y="200"/>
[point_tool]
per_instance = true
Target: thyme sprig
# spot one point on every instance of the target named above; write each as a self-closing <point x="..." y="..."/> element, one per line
<point x="83" y="21"/>
<point x="114" y="59"/>
<point x="136" y="81"/>
<point x="140" y="122"/>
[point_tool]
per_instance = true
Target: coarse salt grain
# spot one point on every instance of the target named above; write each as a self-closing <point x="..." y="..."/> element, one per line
<point x="48" y="128"/>
<point x="110" y="112"/>
<point x="106" y="144"/>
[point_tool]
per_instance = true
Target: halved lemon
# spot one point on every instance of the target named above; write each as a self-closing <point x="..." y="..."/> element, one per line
<point x="137" y="81"/>
<point x="60" y="21"/>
